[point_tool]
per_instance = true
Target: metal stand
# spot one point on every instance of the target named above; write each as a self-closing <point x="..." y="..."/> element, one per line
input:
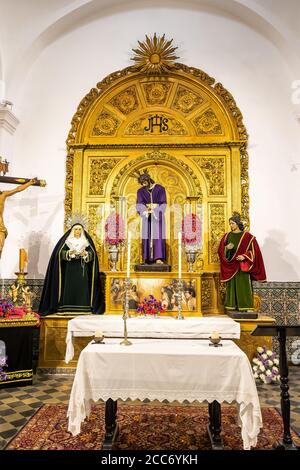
<point x="282" y="331"/>
<point x="126" y="315"/>
<point x="179" y="316"/>
<point x="287" y="442"/>
<point x="126" y="298"/>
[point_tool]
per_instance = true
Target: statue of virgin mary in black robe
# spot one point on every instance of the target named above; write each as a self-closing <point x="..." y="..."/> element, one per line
<point x="72" y="282"/>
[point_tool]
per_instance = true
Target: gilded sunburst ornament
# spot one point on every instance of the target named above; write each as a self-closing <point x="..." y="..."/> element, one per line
<point x="154" y="55"/>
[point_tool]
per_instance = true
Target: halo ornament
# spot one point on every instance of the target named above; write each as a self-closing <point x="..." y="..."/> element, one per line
<point x="155" y="55"/>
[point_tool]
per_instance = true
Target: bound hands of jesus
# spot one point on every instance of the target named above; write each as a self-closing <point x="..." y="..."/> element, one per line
<point x="240" y="258"/>
<point x="150" y="208"/>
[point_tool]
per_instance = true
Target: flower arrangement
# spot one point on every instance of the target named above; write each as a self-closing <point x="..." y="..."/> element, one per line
<point x="265" y="366"/>
<point x="150" y="306"/>
<point x="10" y="312"/>
<point x="114" y="230"/>
<point x="191" y="231"/>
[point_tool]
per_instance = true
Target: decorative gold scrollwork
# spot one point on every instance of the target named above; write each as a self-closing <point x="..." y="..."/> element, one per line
<point x="99" y="170"/>
<point x="106" y="124"/>
<point x="207" y="123"/>
<point x="217" y="230"/>
<point x="156" y="93"/>
<point x="126" y="101"/>
<point x="214" y="171"/>
<point x="186" y="100"/>
<point x="206" y="293"/>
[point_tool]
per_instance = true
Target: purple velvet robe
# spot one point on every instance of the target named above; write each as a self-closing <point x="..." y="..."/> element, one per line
<point x="153" y="226"/>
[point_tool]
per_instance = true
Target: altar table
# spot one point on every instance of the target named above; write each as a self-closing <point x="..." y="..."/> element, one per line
<point x="139" y="327"/>
<point x="170" y="370"/>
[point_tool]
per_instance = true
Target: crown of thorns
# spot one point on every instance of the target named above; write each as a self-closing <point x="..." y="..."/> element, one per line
<point x="141" y="176"/>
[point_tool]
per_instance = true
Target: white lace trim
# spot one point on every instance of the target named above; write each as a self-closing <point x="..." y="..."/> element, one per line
<point x="250" y="419"/>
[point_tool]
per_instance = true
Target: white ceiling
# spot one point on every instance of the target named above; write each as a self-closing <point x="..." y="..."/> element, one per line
<point x="27" y="26"/>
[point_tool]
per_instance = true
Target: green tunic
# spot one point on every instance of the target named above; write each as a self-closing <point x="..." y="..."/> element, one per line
<point x="239" y="294"/>
<point x="75" y="295"/>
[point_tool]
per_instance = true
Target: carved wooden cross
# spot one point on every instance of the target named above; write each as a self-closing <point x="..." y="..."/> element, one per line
<point x="9" y="179"/>
<point x="12" y="180"/>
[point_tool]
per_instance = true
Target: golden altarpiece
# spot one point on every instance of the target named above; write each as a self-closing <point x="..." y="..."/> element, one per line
<point x="199" y="157"/>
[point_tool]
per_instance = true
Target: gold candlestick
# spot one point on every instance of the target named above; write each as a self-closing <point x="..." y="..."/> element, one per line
<point x="126" y="315"/>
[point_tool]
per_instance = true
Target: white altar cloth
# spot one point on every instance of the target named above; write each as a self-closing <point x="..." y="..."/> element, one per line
<point x="166" y="370"/>
<point x="140" y="327"/>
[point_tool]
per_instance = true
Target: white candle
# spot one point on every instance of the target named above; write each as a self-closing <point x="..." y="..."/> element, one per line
<point x="128" y="254"/>
<point x="98" y="334"/>
<point x="179" y="255"/>
<point x="2" y="90"/>
<point x="214" y="335"/>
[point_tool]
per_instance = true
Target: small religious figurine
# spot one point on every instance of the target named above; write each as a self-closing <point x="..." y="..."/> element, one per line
<point x="151" y="205"/>
<point x="241" y="262"/>
<point x="3" y="196"/>
<point x="13" y="292"/>
<point x="27" y="297"/>
<point x="72" y="281"/>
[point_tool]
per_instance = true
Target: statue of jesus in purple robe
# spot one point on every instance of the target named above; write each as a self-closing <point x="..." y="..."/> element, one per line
<point x="151" y="205"/>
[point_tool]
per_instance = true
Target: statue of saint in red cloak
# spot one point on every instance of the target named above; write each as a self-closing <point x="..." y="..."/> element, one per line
<point x="241" y="262"/>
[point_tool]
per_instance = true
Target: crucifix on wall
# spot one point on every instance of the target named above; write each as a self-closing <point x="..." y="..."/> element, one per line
<point x="23" y="183"/>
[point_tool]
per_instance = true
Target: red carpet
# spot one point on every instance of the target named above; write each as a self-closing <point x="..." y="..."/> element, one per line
<point x="142" y="427"/>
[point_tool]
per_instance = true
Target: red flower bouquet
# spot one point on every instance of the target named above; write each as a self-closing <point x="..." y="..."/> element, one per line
<point x="114" y="230"/>
<point x="150" y="306"/>
<point x="192" y="231"/>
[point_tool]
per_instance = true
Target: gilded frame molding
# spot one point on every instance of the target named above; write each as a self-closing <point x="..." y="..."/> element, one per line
<point x="218" y="90"/>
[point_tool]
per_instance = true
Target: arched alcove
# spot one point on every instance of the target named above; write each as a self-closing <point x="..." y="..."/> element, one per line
<point x="197" y="138"/>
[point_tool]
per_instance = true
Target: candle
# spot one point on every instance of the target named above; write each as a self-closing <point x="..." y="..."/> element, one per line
<point x="102" y="222"/>
<point x="214" y="335"/>
<point x="22" y="259"/>
<point x="2" y="90"/>
<point x="179" y="255"/>
<point x="128" y="254"/>
<point x="98" y="334"/>
<point x="98" y="337"/>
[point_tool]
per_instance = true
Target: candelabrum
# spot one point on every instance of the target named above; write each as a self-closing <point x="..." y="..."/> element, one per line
<point x="20" y="292"/>
<point x="126" y="315"/>
<point x="179" y="316"/>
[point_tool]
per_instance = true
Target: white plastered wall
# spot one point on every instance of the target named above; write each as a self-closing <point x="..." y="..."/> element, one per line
<point x="248" y="64"/>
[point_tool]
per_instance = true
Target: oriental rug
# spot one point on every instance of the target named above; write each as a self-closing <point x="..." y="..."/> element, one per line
<point x="142" y="427"/>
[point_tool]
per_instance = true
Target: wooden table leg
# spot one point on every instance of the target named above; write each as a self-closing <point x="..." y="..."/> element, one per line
<point x="111" y="425"/>
<point x="214" y="426"/>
